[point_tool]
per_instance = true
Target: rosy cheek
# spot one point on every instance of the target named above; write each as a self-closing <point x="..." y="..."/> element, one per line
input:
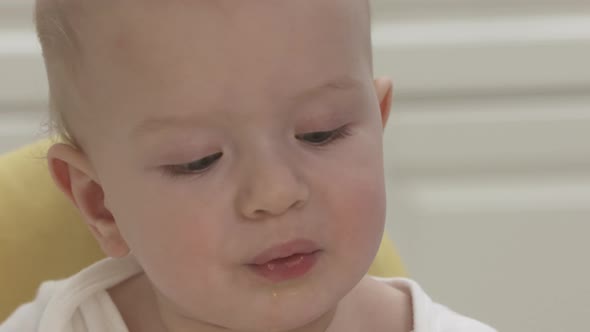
<point x="365" y="209"/>
<point x="360" y="217"/>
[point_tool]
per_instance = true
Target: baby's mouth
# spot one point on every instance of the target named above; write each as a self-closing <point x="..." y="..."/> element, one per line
<point x="287" y="261"/>
<point x="286" y="268"/>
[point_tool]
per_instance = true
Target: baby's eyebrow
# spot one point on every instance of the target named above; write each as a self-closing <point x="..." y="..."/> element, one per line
<point x="161" y="122"/>
<point x="343" y="83"/>
<point x="338" y="84"/>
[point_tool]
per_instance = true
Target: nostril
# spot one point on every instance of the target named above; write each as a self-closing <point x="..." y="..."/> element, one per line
<point x="298" y="204"/>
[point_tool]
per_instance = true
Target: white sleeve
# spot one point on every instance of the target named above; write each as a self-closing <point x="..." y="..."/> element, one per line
<point x="26" y="318"/>
<point x="450" y="321"/>
<point x="433" y="317"/>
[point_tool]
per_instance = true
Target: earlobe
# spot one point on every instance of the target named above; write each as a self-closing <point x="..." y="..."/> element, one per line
<point x="384" y="89"/>
<point x="74" y="176"/>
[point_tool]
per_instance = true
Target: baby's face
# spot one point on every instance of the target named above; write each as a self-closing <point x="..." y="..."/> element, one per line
<point x="220" y="129"/>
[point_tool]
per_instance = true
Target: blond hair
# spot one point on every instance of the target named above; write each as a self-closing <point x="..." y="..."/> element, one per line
<point x="59" y="42"/>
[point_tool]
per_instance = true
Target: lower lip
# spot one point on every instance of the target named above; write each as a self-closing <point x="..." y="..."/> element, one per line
<point x="285" y="269"/>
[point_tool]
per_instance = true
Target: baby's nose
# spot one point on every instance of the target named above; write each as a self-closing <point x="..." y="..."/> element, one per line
<point x="271" y="188"/>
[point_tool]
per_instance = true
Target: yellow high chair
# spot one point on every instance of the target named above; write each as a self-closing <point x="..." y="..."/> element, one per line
<point x="42" y="236"/>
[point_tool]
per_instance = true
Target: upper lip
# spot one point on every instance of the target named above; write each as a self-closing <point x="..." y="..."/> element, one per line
<point x="299" y="246"/>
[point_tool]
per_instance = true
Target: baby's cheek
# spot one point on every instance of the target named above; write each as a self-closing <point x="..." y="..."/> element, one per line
<point x="161" y="232"/>
<point x="360" y="218"/>
<point x="178" y="255"/>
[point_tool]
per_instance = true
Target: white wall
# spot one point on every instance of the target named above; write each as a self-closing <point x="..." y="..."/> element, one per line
<point x="487" y="149"/>
<point x="22" y="77"/>
<point x="488" y="155"/>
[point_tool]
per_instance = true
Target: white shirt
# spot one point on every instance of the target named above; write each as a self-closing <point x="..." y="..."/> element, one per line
<point x="81" y="304"/>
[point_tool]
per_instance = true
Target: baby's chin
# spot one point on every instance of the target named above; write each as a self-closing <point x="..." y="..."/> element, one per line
<point x="293" y="305"/>
<point x="281" y="307"/>
<point x="312" y="309"/>
<point x="291" y="314"/>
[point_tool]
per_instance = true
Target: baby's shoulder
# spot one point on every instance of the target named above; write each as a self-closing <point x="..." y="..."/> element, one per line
<point x="377" y="306"/>
<point x="423" y="314"/>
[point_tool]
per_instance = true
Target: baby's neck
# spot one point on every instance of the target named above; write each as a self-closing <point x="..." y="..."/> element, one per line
<point x="370" y="306"/>
<point x="137" y="305"/>
<point x="142" y="312"/>
<point x="174" y="323"/>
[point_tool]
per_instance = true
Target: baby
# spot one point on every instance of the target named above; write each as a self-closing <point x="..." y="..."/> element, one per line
<point x="227" y="157"/>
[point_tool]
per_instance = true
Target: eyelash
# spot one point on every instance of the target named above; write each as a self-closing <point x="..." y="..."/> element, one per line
<point x="335" y="135"/>
<point x="181" y="170"/>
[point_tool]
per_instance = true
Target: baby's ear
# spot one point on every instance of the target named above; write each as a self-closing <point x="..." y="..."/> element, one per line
<point x="384" y="89"/>
<point x="72" y="173"/>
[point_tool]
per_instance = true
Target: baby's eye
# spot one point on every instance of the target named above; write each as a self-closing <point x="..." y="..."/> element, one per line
<point x="324" y="137"/>
<point x="194" y="167"/>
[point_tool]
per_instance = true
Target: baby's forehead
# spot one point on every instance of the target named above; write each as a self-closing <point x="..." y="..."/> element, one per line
<point x="158" y="55"/>
<point x="239" y="48"/>
<point x="146" y="25"/>
<point x="255" y="20"/>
